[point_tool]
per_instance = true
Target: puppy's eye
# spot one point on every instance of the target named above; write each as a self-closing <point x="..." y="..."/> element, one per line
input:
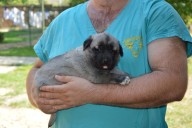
<point x="114" y="51"/>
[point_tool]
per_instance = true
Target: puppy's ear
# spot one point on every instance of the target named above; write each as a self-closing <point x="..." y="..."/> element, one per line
<point x="87" y="42"/>
<point x="120" y="49"/>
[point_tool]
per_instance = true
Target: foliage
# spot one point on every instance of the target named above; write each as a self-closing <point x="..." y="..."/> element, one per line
<point x="75" y="2"/>
<point x="29" y="2"/>
<point x="13" y="2"/>
<point x="20" y="2"/>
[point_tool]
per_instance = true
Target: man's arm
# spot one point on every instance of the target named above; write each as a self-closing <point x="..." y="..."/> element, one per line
<point x="29" y="81"/>
<point x="166" y="83"/>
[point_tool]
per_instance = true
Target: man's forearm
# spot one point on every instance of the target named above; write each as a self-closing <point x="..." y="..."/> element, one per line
<point x="29" y="85"/>
<point x="151" y="90"/>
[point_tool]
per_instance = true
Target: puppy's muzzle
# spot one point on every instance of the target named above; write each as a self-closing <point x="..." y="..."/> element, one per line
<point x="106" y="63"/>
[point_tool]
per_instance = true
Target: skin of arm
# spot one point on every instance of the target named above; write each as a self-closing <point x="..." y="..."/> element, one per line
<point x="29" y="81"/>
<point x="166" y="83"/>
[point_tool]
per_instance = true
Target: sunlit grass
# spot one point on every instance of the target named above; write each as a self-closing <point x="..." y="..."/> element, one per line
<point x="179" y="114"/>
<point x="15" y="81"/>
<point x="190" y="66"/>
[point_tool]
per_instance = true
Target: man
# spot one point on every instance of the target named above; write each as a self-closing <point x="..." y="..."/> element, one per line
<point x="154" y="40"/>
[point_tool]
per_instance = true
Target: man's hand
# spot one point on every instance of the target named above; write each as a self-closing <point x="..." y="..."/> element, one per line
<point x="74" y="92"/>
<point x="37" y="100"/>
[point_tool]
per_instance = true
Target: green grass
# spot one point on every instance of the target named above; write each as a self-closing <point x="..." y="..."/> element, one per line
<point x="16" y="36"/>
<point x="23" y="51"/>
<point x="15" y="80"/>
<point x="190" y="66"/>
<point x="179" y="114"/>
<point x="21" y="104"/>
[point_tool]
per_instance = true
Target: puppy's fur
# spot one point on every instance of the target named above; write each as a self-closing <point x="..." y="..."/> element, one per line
<point x="94" y="61"/>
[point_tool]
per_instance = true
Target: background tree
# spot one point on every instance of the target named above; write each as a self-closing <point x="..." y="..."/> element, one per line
<point x="75" y="2"/>
<point x="21" y="2"/>
<point x="12" y="2"/>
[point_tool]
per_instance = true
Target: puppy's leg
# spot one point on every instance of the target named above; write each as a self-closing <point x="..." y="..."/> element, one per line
<point x="119" y="77"/>
<point x="126" y="81"/>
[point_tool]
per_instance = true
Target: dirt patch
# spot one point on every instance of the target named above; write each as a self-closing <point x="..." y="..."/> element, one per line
<point x="6" y="69"/>
<point x="4" y="91"/>
<point x="22" y="118"/>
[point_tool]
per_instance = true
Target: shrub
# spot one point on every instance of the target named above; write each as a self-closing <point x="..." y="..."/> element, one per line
<point x="75" y="2"/>
<point x="1" y="37"/>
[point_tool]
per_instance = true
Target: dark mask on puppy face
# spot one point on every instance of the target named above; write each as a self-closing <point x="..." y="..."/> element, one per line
<point x="104" y="50"/>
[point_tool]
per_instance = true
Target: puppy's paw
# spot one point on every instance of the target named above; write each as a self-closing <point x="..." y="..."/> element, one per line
<point x="126" y="81"/>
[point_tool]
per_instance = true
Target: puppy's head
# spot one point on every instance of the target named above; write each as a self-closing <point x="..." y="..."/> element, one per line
<point x="103" y="50"/>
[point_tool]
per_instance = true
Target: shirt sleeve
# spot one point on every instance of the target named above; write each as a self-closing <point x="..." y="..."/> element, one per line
<point x="43" y="46"/>
<point x="163" y="21"/>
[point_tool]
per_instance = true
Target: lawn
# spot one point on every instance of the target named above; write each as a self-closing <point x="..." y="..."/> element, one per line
<point x="23" y="51"/>
<point x="179" y="114"/>
<point x="16" y="36"/>
<point x="13" y="85"/>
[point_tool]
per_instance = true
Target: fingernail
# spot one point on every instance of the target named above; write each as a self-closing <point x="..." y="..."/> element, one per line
<point x="57" y="76"/>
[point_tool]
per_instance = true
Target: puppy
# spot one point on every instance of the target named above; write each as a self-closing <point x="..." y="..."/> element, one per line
<point x="94" y="61"/>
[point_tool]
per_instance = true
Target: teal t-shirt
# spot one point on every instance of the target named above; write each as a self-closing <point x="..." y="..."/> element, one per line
<point x="138" y="24"/>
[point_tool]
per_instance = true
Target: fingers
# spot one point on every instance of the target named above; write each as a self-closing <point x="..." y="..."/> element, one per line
<point x="48" y="109"/>
<point x="50" y="106"/>
<point x="64" y="79"/>
<point x="56" y="97"/>
<point x="53" y="88"/>
<point x="63" y="106"/>
<point x="58" y="88"/>
<point x="47" y="98"/>
<point x="49" y="95"/>
<point x="50" y="101"/>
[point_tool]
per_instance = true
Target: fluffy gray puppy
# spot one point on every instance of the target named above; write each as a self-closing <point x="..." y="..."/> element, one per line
<point x="94" y="61"/>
